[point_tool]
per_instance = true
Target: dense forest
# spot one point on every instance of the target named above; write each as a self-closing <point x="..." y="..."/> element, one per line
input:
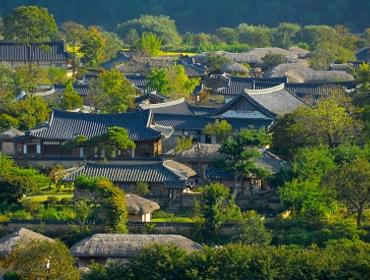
<point x="207" y="15"/>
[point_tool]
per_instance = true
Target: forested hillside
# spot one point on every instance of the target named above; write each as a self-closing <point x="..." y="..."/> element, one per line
<point x="207" y="15"/>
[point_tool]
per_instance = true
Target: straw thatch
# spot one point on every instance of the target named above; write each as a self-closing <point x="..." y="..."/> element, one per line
<point x="234" y="68"/>
<point x="127" y="245"/>
<point x="10" y="134"/>
<point x="300" y="73"/>
<point x="137" y="205"/>
<point x="179" y="168"/>
<point x="8" y="243"/>
<point x="255" y="56"/>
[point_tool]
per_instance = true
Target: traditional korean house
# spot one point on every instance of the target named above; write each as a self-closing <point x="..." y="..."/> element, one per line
<point x="49" y="54"/>
<point x="202" y="157"/>
<point x="166" y="179"/>
<point x="230" y="86"/>
<point x="46" y="142"/>
<point x="265" y="103"/>
<point x="121" y="248"/>
<point x="363" y="55"/>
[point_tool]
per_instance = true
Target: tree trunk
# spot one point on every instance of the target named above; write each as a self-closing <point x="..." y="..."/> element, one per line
<point x="358" y="218"/>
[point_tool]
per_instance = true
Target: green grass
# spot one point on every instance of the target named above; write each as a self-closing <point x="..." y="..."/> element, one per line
<point x="44" y="197"/>
<point x="173" y="220"/>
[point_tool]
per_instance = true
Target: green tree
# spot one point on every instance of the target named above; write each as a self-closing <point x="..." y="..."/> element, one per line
<point x="307" y="199"/>
<point x="220" y="129"/>
<point x="30" y="24"/>
<point x="228" y="35"/>
<point x="42" y="260"/>
<point x="150" y="44"/>
<point x="29" y="111"/>
<point x="216" y="207"/>
<point x="16" y="182"/>
<point x="108" y="201"/>
<point x="73" y="33"/>
<point x="351" y="185"/>
<point x="115" y="138"/>
<point x="159" y="262"/>
<point x="172" y="82"/>
<point x="162" y="26"/>
<point x="113" y="44"/>
<point x="285" y="35"/>
<point x="141" y="188"/>
<point x="240" y="152"/>
<point x="255" y="36"/>
<point x="183" y="143"/>
<point x="7" y="121"/>
<point x="71" y="99"/>
<point x="29" y="76"/>
<point x="252" y="230"/>
<point x="92" y="48"/>
<point x="216" y="61"/>
<point x="271" y="60"/>
<point x="158" y="80"/>
<point x="313" y="163"/>
<point x="112" y="92"/>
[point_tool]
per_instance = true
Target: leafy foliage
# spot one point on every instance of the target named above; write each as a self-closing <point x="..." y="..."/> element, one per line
<point x="112" y="92"/>
<point x="30" y="261"/>
<point x="30" y="24"/>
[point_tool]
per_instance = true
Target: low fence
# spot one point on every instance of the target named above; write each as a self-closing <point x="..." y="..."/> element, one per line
<point x="53" y="226"/>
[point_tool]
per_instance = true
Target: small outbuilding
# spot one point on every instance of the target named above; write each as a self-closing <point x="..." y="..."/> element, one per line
<point x="139" y="208"/>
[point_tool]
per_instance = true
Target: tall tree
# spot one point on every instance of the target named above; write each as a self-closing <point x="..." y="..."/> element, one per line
<point x="71" y="98"/>
<point x="30" y="24"/>
<point x="112" y="92"/>
<point x="351" y="185"/>
<point x="240" y="152"/>
<point x="216" y="207"/>
<point x="150" y="44"/>
<point x="92" y="47"/>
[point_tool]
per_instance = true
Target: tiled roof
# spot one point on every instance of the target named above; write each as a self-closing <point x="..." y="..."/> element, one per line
<point x="185" y="122"/>
<point x="83" y="90"/>
<point x="67" y="125"/>
<point x="276" y="100"/>
<point x="50" y="51"/>
<point x="129" y="172"/>
<point x="195" y="70"/>
<point x="178" y="107"/>
<point x="122" y="57"/>
<point x="363" y="55"/>
<point x="152" y="97"/>
<point x="237" y="85"/>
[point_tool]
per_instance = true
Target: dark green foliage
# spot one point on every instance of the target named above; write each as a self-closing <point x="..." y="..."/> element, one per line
<point x="271" y="60"/>
<point x="339" y="260"/>
<point x="216" y="207"/>
<point x="107" y="200"/>
<point x="16" y="181"/>
<point x="207" y="15"/>
<point x="30" y="24"/>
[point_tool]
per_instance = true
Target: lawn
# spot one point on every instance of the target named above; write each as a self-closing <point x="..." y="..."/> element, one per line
<point x="45" y="197"/>
<point x="173" y="220"/>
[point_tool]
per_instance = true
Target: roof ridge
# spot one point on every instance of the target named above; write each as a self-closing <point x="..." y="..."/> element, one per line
<point x="265" y="90"/>
<point x="162" y="105"/>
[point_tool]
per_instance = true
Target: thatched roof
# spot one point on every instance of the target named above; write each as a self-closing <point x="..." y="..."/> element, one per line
<point x="10" y="134"/>
<point x="255" y="56"/>
<point x="138" y="205"/>
<point x="300" y="73"/>
<point x="127" y="245"/>
<point x="180" y="168"/>
<point x="234" y="68"/>
<point x="8" y="242"/>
